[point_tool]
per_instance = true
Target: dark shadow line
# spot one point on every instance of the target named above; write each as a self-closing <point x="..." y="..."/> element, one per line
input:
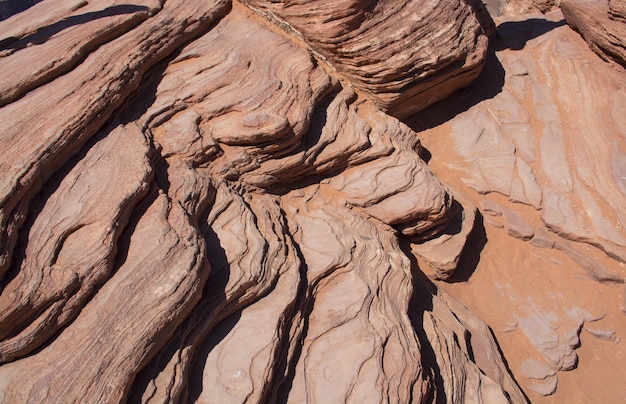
<point x="422" y="301"/>
<point x="43" y="34"/>
<point x="470" y="256"/>
<point x="284" y="374"/>
<point x="515" y="34"/>
<point x="510" y="35"/>
<point x="12" y="7"/>
<point x="506" y="365"/>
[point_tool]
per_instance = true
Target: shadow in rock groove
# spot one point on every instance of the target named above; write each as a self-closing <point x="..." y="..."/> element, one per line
<point x="45" y="33"/>
<point x="511" y="35"/>
<point x="470" y="256"/>
<point x="421" y="302"/>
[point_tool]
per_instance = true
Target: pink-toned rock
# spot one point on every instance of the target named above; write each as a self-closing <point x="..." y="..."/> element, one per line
<point x="606" y="36"/>
<point x="78" y="103"/>
<point x="73" y="241"/>
<point x="516" y="226"/>
<point x="183" y="181"/>
<point x="387" y="49"/>
<point x="209" y="201"/>
<point x="617" y="10"/>
<point x="546" y="144"/>
<point x="443" y="253"/>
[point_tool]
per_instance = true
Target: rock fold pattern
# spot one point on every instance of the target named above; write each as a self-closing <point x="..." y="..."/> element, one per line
<point x="602" y="24"/>
<point x="196" y="206"/>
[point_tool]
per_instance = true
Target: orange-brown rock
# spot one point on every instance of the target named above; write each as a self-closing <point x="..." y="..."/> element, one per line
<point x="537" y="143"/>
<point x="387" y="49"/>
<point x="601" y="24"/>
<point x="617" y="10"/>
<point x="213" y="202"/>
<point x="182" y="181"/>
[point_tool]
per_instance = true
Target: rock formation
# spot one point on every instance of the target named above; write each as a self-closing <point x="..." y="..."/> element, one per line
<point x="216" y="202"/>
<point x="541" y="154"/>
<point x="602" y="24"/>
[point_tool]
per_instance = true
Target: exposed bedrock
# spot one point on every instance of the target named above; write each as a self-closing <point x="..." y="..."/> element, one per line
<point x="602" y="24"/>
<point x="388" y="49"/>
<point x="215" y="201"/>
<point x="537" y="144"/>
<point x="196" y="207"/>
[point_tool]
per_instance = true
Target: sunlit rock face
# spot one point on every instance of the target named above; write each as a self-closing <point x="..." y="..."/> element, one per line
<point x="405" y="55"/>
<point x="215" y="201"/>
<point x="184" y="181"/>
<point x="602" y="24"/>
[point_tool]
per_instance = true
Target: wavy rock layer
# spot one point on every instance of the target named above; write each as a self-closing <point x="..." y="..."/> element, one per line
<point x="388" y="49"/>
<point x="602" y="24"/>
<point x="540" y="151"/>
<point x="194" y="208"/>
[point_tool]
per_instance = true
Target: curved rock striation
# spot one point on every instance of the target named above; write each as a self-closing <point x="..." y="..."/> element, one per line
<point x="215" y="202"/>
<point x="197" y="207"/>
<point x="388" y="49"/>
<point x="537" y="144"/>
<point x="602" y="24"/>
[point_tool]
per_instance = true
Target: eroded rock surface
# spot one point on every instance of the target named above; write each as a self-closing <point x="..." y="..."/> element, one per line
<point x="601" y="23"/>
<point x="185" y="180"/>
<point x="215" y="202"/>
<point x="387" y="49"/>
<point x="537" y="143"/>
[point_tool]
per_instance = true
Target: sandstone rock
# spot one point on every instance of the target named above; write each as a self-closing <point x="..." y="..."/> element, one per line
<point x="201" y="204"/>
<point x="524" y="152"/>
<point x="183" y="182"/>
<point x="617" y="10"/>
<point x="604" y="35"/>
<point x="444" y="252"/>
<point x="73" y="241"/>
<point x="545" y="387"/>
<point x="77" y="104"/>
<point x="520" y="139"/>
<point x="608" y="335"/>
<point x="593" y="268"/>
<point x="386" y="49"/>
<point x="543" y="239"/>
<point x="489" y="207"/>
<point x="516" y="226"/>
<point x="545" y="5"/>
<point x="543" y="378"/>
<point x="534" y="369"/>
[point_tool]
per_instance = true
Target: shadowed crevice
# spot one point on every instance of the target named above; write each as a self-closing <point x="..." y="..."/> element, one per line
<point x="43" y="34"/>
<point x="470" y="257"/>
<point x="510" y="35"/>
<point x="9" y="8"/>
<point x="422" y="301"/>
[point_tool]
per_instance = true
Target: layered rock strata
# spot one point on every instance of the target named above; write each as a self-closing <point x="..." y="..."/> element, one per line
<point x="195" y="208"/>
<point x="540" y="151"/>
<point x="602" y="24"/>
<point x="403" y="67"/>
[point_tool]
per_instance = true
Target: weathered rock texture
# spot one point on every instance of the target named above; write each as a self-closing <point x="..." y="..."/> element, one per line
<point x="602" y="24"/>
<point x="193" y="207"/>
<point x="537" y="143"/>
<point x="212" y="201"/>
<point x="498" y="8"/>
<point x="388" y="49"/>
